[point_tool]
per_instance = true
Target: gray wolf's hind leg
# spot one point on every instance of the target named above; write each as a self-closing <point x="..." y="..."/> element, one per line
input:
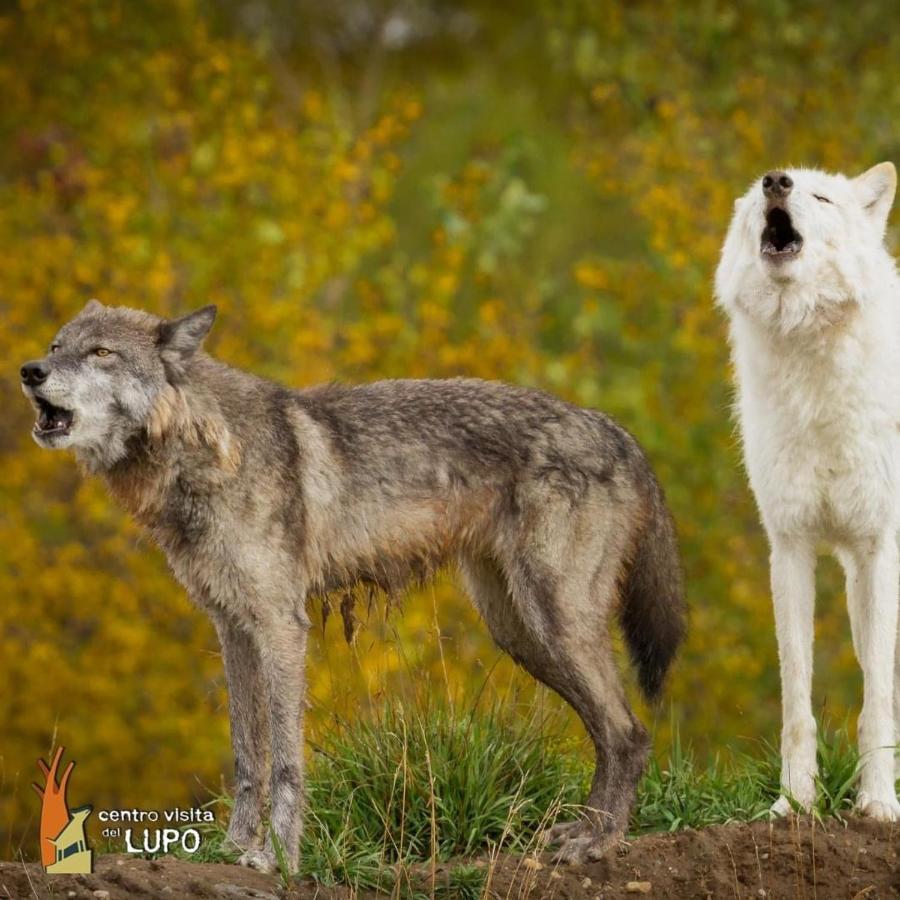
<point x="576" y="661"/>
<point x="249" y="732"/>
<point x="589" y="681"/>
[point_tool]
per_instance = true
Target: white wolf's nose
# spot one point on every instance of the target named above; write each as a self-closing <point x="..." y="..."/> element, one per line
<point x="776" y="185"/>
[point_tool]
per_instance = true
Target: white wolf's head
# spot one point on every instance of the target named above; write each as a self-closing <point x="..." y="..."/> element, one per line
<point x="803" y="244"/>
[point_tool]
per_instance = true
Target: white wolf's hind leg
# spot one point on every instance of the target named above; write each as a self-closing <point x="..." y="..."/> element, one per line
<point x="872" y="598"/>
<point x="793" y="595"/>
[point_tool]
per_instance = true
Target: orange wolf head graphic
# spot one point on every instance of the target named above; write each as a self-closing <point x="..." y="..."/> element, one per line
<point x="63" y="844"/>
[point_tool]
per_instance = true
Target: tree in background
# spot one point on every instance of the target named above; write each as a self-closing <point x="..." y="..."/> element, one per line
<point x="380" y="190"/>
<point x="153" y="163"/>
<point x="674" y="112"/>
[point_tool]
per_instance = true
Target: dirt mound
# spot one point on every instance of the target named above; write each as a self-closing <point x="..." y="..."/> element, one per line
<point x="788" y="859"/>
<point x="792" y="859"/>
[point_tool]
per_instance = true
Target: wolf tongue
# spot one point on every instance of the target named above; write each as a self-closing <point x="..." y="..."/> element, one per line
<point x="50" y="422"/>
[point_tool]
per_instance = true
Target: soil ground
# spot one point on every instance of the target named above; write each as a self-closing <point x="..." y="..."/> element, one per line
<point x="795" y="858"/>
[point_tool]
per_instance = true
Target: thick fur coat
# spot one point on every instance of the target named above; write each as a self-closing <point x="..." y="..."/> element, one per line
<point x="813" y="300"/>
<point x="262" y="497"/>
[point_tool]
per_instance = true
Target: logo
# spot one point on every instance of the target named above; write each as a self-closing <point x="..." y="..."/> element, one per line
<point x="64" y="846"/>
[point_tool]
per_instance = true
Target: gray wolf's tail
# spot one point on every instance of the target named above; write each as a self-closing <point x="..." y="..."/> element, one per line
<point x="653" y="613"/>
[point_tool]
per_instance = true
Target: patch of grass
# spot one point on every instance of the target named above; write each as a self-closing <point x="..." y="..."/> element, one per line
<point x="414" y="784"/>
<point x="464" y="882"/>
<point x="740" y="788"/>
<point x="838" y="768"/>
<point x="401" y="801"/>
<point x="682" y="793"/>
<point x="685" y="794"/>
<point x="280" y="858"/>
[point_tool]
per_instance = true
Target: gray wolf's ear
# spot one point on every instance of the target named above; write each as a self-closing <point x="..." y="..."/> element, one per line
<point x="875" y="189"/>
<point x="93" y="305"/>
<point x="179" y="339"/>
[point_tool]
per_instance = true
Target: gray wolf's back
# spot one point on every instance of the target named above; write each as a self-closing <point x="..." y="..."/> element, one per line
<point x="487" y="424"/>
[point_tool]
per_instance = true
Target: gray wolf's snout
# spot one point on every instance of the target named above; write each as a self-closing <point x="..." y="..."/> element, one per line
<point x="776" y="185"/>
<point x="34" y="373"/>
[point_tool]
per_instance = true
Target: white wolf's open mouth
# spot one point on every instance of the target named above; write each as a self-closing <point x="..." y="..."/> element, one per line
<point x="52" y="420"/>
<point x="779" y="238"/>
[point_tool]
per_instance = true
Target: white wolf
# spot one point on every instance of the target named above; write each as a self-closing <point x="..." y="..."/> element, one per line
<point x="813" y="300"/>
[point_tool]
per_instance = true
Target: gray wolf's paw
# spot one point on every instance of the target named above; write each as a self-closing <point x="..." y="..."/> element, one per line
<point x="561" y="832"/>
<point x="262" y="860"/>
<point x="883" y="810"/>
<point x="581" y="842"/>
<point x="238" y="844"/>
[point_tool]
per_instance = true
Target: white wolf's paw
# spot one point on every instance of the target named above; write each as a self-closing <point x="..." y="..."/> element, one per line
<point x="780" y="808"/>
<point x="783" y="807"/>
<point x="262" y="860"/>
<point x="886" y="810"/>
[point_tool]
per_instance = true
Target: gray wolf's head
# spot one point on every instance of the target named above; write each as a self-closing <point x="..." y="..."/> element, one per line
<point x="803" y="243"/>
<point x="104" y="374"/>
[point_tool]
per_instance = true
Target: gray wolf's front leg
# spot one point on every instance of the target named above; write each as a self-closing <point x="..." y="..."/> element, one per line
<point x="281" y="641"/>
<point x="249" y="731"/>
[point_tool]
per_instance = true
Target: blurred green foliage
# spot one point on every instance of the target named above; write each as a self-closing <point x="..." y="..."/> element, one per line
<point x="410" y="188"/>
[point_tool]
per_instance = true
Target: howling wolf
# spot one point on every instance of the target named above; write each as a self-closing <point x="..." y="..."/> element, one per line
<point x="813" y="300"/>
<point x="262" y="496"/>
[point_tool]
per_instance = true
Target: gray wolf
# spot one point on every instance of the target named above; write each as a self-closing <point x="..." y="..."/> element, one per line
<point x="262" y="497"/>
<point x="813" y="300"/>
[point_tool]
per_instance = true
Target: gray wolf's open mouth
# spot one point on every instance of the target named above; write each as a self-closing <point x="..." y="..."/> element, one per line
<point x="779" y="238"/>
<point x="52" y="420"/>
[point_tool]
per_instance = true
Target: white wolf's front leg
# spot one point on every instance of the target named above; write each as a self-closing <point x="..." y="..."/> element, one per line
<point x="872" y="599"/>
<point x="793" y="594"/>
<point x="897" y="701"/>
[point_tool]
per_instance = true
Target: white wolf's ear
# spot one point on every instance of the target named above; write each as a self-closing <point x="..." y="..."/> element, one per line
<point x="179" y="339"/>
<point x="875" y="189"/>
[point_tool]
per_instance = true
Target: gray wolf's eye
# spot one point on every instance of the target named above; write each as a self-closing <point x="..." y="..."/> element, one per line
<point x="54" y="348"/>
<point x="101" y="351"/>
<point x="821" y="199"/>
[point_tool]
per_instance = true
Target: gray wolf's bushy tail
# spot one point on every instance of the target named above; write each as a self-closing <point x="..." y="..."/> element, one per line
<point x="653" y="612"/>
